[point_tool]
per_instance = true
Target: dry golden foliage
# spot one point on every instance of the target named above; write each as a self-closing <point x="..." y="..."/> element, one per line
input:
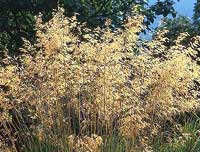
<point x="78" y="81"/>
<point x="84" y="144"/>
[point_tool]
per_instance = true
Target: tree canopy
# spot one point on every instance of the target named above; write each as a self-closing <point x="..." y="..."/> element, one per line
<point x="17" y="16"/>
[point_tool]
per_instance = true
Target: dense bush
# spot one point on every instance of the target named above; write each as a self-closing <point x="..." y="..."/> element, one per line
<point x="77" y="89"/>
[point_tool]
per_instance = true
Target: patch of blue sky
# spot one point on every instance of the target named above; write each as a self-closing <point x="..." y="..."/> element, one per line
<point x="183" y="8"/>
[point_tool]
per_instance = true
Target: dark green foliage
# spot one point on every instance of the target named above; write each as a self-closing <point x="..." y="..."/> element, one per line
<point x="196" y="16"/>
<point x="95" y="12"/>
<point x="160" y="8"/>
<point x="17" y="22"/>
<point x="182" y="24"/>
<point x="176" y="26"/>
<point x="188" y="142"/>
<point x="17" y="16"/>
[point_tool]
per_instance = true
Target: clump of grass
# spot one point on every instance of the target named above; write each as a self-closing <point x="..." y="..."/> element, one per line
<point x="78" y="89"/>
<point x="186" y="141"/>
